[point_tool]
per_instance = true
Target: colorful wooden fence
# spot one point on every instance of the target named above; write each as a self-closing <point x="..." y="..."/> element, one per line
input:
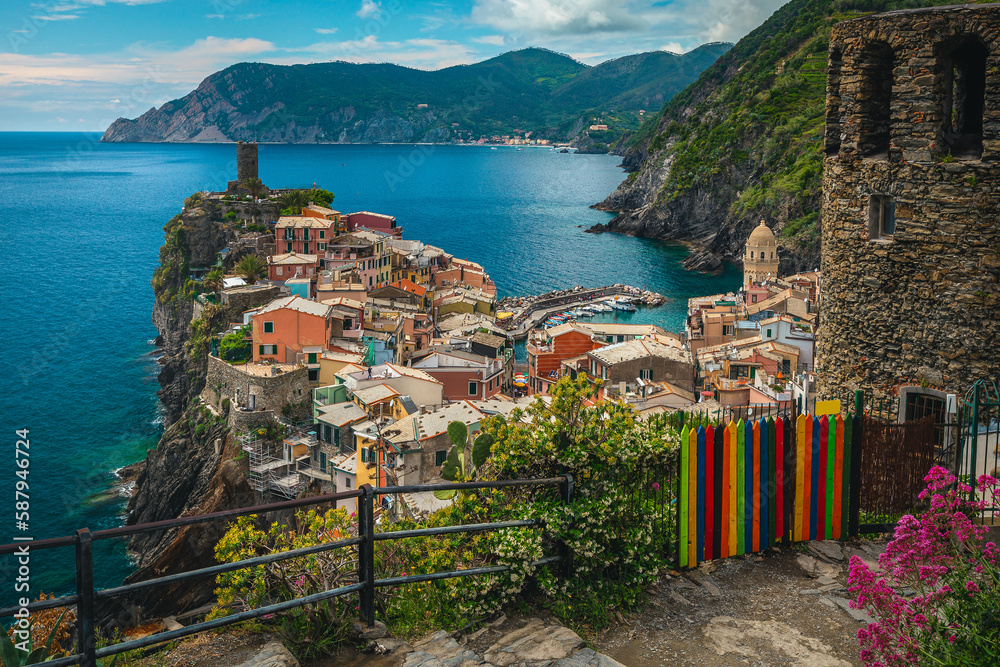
<point x="747" y="486"/>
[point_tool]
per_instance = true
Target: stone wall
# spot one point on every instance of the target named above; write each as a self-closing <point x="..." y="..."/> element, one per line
<point x="240" y="299"/>
<point x="231" y="381"/>
<point x="246" y="161"/>
<point x="921" y="303"/>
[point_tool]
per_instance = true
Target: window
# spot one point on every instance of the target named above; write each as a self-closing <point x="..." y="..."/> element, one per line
<point x="288" y="247"/>
<point x="472" y="388"/>
<point x="768" y="333"/>
<point x="754" y="299"/>
<point x="269" y="326"/>
<point x="305" y="234"/>
<point x="875" y="100"/>
<point x="881" y="217"/>
<point x="440" y="457"/>
<point x="489" y="387"/>
<point x="645" y="374"/>
<point x="347" y="482"/>
<point x="313" y="374"/>
<point x="269" y="349"/>
<point x="312" y="358"/>
<point x="964" y="79"/>
<point x="305" y="248"/>
<point x="321" y="246"/>
<point x="727" y="329"/>
<point x="277" y="271"/>
<point x="322" y="461"/>
<point x="322" y="234"/>
<point x="751" y="254"/>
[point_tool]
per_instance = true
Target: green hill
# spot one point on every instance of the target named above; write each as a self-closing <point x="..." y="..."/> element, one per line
<point x="744" y="142"/>
<point x="531" y="90"/>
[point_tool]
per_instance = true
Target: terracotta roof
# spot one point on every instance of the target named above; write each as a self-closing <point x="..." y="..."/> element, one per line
<point x="341" y="414"/>
<point x="639" y="349"/>
<point x="292" y="258"/>
<point x="298" y="304"/>
<point x="303" y="221"/>
<point x="408" y="285"/>
<point x="567" y="327"/>
<point x="379" y="392"/>
<point x="489" y="340"/>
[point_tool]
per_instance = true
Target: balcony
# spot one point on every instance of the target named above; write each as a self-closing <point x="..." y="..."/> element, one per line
<point x="357" y="332"/>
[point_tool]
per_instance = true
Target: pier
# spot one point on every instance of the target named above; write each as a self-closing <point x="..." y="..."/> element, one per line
<point x="529" y="312"/>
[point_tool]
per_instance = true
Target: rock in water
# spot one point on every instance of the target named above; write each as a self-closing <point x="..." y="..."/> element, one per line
<point x="596" y="229"/>
<point x="704" y="261"/>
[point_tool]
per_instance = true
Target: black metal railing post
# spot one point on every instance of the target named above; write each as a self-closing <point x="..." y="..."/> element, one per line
<point x="86" y="632"/>
<point x="366" y="554"/>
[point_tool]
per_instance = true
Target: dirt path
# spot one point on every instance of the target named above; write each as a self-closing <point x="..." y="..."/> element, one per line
<point x="781" y="608"/>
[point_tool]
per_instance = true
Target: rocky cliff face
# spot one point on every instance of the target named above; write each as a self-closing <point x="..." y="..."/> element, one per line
<point x="741" y="144"/>
<point x="192" y="470"/>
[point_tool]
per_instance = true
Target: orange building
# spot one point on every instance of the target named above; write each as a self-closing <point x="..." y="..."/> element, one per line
<point x="288" y="327"/>
<point x="548" y="348"/>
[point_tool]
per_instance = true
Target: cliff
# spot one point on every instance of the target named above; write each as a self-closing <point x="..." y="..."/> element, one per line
<point x="742" y="143"/>
<point x="532" y="90"/>
<point x="193" y="468"/>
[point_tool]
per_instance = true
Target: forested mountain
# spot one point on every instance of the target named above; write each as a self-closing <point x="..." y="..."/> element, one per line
<point x="531" y="90"/>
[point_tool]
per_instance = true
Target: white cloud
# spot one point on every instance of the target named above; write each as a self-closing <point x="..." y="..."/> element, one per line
<point x="673" y="47"/>
<point x="555" y="16"/>
<point x="368" y="8"/>
<point x="729" y="20"/>
<point x="56" y="17"/>
<point x="494" y="40"/>
<point x="326" y="31"/>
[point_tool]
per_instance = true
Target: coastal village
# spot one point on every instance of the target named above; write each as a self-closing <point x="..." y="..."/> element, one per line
<point x="366" y="345"/>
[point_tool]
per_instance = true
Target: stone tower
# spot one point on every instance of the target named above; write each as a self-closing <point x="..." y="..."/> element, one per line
<point x="760" y="260"/>
<point x="911" y="232"/>
<point x="246" y="161"/>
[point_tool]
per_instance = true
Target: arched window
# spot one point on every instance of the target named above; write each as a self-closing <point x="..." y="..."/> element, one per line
<point x="772" y="255"/>
<point x="875" y="100"/>
<point x="751" y="254"/>
<point x="833" y="102"/>
<point x="963" y="75"/>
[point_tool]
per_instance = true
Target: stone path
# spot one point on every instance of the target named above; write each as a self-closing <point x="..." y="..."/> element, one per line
<point x="780" y="608"/>
<point x="524" y="642"/>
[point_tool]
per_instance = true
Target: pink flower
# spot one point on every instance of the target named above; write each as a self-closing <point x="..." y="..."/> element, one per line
<point x="972" y="587"/>
<point x="656" y="486"/>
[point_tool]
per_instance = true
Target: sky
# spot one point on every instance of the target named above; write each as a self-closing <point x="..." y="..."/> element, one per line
<point x="77" y="65"/>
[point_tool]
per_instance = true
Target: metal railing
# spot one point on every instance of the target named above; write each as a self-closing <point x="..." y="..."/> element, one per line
<point x="85" y="597"/>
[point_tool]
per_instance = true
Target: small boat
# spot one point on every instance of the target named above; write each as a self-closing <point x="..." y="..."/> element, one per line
<point x="493" y="148"/>
<point x="580" y="312"/>
<point x="626" y="307"/>
<point x="600" y="308"/>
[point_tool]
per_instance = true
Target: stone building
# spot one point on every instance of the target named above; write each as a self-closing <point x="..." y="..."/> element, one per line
<point x="911" y="241"/>
<point x="760" y="261"/>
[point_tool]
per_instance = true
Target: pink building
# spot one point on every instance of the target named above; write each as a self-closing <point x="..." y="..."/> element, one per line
<point x="375" y="221"/>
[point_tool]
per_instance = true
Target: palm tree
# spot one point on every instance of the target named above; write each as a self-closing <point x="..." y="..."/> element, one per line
<point x="213" y="280"/>
<point x="254" y="186"/>
<point x="251" y="268"/>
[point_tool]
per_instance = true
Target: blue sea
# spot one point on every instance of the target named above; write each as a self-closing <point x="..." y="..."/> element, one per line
<point x="81" y="224"/>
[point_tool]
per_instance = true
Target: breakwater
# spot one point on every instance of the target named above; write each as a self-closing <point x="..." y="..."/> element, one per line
<point x="528" y="312"/>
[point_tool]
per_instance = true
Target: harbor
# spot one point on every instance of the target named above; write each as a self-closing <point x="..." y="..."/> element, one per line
<point x="519" y="315"/>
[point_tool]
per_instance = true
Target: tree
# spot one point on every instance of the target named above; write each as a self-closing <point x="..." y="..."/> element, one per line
<point x="293" y="202"/>
<point x="254" y="186"/>
<point x="212" y="282"/>
<point x="251" y="268"/>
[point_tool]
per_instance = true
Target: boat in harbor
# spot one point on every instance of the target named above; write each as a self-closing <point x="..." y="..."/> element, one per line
<point x="624" y="306"/>
<point x="600" y="308"/>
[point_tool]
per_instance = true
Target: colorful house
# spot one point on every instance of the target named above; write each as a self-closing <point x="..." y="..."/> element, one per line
<point x="291" y="265"/>
<point x="303" y="235"/>
<point x="548" y="348"/>
<point x="292" y="330"/>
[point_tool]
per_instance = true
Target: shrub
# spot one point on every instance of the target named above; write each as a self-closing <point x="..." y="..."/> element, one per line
<point x="934" y="595"/>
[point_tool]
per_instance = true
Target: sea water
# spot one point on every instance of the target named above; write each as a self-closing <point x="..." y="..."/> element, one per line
<point x="82" y="222"/>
